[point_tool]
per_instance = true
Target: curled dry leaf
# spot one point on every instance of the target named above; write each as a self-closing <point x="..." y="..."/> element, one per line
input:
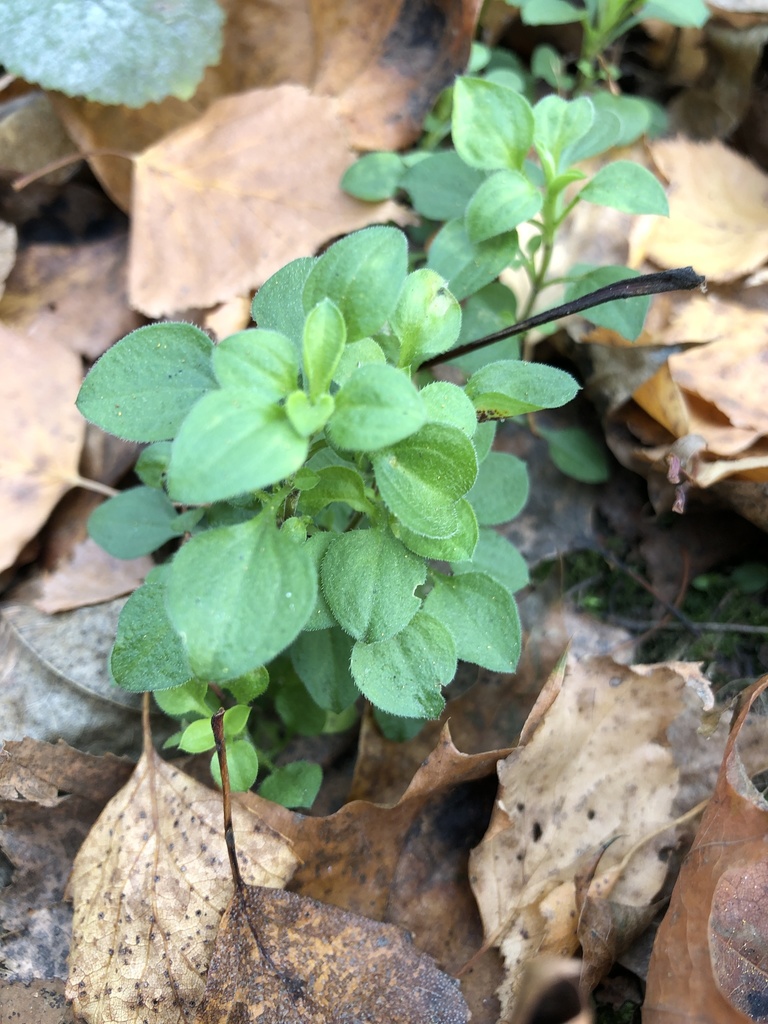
<point x="709" y="958"/>
<point x="244" y="189"/>
<point x="149" y="886"/>
<point x="593" y="775"/>
<point x="42" y="434"/>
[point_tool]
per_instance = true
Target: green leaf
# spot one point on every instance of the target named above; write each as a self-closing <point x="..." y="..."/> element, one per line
<point x="143" y="387"/>
<point x="492" y="125"/>
<point x="368" y="579"/>
<point x="483" y="439"/>
<point x="184" y="700"/>
<point x="606" y="131"/>
<point x="459" y="546"/>
<point x="120" y="53"/>
<point x="235" y="620"/>
<point x="133" y="523"/>
<point x="625" y="316"/>
<point x="559" y="124"/>
<point x="482" y="617"/>
<point x="374" y="177"/>
<point x="324" y="337"/>
<point x="293" y="785"/>
<point x="426" y="319"/>
<point x="501" y="490"/>
<point x="197" y="737"/>
<point x="294" y="704"/>
<point x="355" y="355"/>
<point x="278" y="304"/>
<point x="626" y="186"/>
<point x="377" y="406"/>
<point x="404" y="675"/>
<point x="243" y="765"/>
<point x="578" y="454"/>
<point x="321" y="661"/>
<point x="336" y="483"/>
<point x="441" y="185"/>
<point x="399" y="730"/>
<point x="148" y="653"/>
<point x="363" y="274"/>
<point x="632" y="113"/>
<point x="307" y="417"/>
<point x="448" y="403"/>
<point x="549" y="12"/>
<point x="496" y="557"/>
<point x="503" y="201"/>
<point x="248" y="686"/>
<point x="512" y="387"/>
<point x="152" y="464"/>
<point x="259" y="359"/>
<point x="549" y="65"/>
<point x="487" y="311"/>
<point x="422" y="477"/>
<point x="233" y="441"/>
<point x="469" y="266"/>
<point x="687" y="14"/>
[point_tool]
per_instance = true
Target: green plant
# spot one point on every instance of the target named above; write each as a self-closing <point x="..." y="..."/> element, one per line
<point x="602" y="22"/>
<point x="315" y="479"/>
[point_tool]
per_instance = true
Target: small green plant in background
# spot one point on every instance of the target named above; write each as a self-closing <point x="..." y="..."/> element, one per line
<point x="319" y="486"/>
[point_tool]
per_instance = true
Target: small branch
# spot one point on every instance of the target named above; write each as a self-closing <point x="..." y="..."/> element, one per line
<point x="681" y="279"/>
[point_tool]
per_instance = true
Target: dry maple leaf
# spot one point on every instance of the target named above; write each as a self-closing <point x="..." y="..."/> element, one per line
<point x="244" y="189"/>
<point x="283" y="958"/>
<point x="593" y="771"/>
<point x="42" y="434"/>
<point x="710" y="956"/>
<point x="149" y="886"/>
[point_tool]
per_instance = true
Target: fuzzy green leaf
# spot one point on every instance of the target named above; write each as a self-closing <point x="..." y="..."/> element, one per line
<point x="324" y="337"/>
<point x="374" y="177"/>
<point x="441" y="185"/>
<point x="469" y="266"/>
<point x="129" y="53"/>
<point x="484" y="313"/>
<point x="321" y="661"/>
<point x="363" y="274"/>
<point x="461" y="545"/>
<point x="278" y="304"/>
<point x="549" y="12"/>
<point x="307" y="417"/>
<point x="197" y="737"/>
<point x="427" y="318"/>
<point x="404" y="675"/>
<point x="320" y="617"/>
<point x="578" y="454"/>
<point x="688" y="14"/>
<point x="501" y="490"/>
<point x="234" y="621"/>
<point x="148" y="653"/>
<point x="511" y="387"/>
<point x="448" y="403"/>
<point x="625" y="316"/>
<point x="626" y="186"/>
<point x="336" y="483"/>
<point x="142" y="388"/>
<point x="377" y="406"/>
<point x="293" y="785"/>
<point x="232" y="442"/>
<point x="248" y="686"/>
<point x="559" y="124"/>
<point x="492" y="125"/>
<point x="368" y="579"/>
<point x="152" y="464"/>
<point x="422" y="477"/>
<point x="184" y="700"/>
<point x="134" y="522"/>
<point x="482" y="617"/>
<point x="259" y="359"/>
<point x="503" y="201"/>
<point x="497" y="557"/>
<point x="243" y="764"/>
<point x="357" y="354"/>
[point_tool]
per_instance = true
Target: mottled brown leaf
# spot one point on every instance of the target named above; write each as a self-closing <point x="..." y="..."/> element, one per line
<point x="710" y="958"/>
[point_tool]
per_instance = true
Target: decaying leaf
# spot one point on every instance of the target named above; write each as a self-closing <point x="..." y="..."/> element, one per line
<point x="42" y="433"/>
<point x="149" y="886"/>
<point x="592" y="776"/>
<point x="711" y="951"/>
<point x="281" y="957"/>
<point x="89" y="576"/>
<point x="240" y="178"/>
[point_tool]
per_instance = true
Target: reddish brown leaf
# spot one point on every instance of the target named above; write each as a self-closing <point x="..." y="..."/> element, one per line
<point x="710" y="958"/>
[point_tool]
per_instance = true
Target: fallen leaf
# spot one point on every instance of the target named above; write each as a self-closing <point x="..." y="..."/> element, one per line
<point x="42" y="434"/>
<point x="41" y="772"/>
<point x="76" y="293"/>
<point x="250" y="185"/>
<point x="149" y="886"/>
<point x="709" y="958"/>
<point x="716" y="210"/>
<point x="550" y="992"/>
<point x="281" y="958"/>
<point x="90" y="576"/>
<point x="593" y="771"/>
<point x="32" y="137"/>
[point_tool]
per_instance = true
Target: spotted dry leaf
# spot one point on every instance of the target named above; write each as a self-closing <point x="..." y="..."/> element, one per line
<point x="149" y="887"/>
<point x="284" y="959"/>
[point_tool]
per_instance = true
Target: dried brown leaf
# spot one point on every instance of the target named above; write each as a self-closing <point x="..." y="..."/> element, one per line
<point x="42" y="433"/>
<point x="90" y="576"/>
<point x="244" y="189"/>
<point x="149" y="886"/>
<point x="710" y="957"/>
